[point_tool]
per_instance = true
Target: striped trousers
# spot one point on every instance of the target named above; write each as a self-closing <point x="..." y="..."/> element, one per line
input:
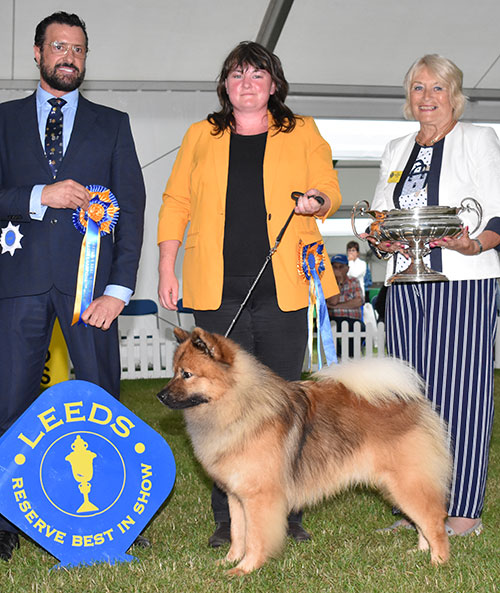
<point x="446" y="331"/>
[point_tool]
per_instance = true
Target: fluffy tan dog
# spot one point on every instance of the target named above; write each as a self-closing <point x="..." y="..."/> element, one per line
<point x="276" y="446"/>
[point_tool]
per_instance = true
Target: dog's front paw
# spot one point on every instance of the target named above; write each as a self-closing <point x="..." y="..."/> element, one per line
<point x="237" y="572"/>
<point x="230" y="558"/>
<point x="246" y="566"/>
<point x="222" y="561"/>
<point x="234" y="555"/>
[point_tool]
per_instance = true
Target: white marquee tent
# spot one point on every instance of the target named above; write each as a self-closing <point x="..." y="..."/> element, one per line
<point x="158" y="60"/>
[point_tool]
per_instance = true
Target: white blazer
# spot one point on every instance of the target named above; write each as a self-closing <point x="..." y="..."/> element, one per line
<point x="470" y="168"/>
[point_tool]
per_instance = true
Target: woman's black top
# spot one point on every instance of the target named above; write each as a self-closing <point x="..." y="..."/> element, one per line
<point x="246" y="243"/>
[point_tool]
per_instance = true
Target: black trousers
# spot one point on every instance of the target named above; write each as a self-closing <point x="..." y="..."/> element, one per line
<point x="277" y="338"/>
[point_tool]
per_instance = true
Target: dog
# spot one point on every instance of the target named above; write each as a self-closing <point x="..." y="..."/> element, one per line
<point x="276" y="446"/>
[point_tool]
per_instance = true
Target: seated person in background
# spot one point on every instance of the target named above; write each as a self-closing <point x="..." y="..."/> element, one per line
<point x="348" y="305"/>
<point x="357" y="267"/>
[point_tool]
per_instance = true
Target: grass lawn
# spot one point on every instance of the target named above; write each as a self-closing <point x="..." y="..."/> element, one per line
<point x="345" y="553"/>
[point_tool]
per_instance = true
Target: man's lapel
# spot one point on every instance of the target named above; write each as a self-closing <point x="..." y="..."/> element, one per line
<point x="82" y="129"/>
<point x="28" y="135"/>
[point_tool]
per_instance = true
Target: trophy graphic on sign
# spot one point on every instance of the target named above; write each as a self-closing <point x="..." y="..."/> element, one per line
<point x="82" y="460"/>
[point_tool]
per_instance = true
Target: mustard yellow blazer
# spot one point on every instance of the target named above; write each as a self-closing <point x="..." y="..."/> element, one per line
<point x="196" y="193"/>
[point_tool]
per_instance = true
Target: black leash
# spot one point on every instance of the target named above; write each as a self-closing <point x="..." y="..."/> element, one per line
<point x="295" y="196"/>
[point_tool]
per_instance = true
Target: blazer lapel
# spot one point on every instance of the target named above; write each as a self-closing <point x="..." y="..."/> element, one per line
<point x="28" y="131"/>
<point x="82" y="128"/>
<point x="220" y="152"/>
<point x="272" y="156"/>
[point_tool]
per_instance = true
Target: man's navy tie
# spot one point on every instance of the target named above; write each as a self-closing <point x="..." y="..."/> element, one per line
<point x="54" y="135"/>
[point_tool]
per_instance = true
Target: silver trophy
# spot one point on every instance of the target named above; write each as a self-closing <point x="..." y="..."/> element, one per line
<point x="416" y="228"/>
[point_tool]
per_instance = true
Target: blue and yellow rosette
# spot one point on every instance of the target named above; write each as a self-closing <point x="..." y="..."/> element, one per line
<point x="311" y="265"/>
<point x="98" y="220"/>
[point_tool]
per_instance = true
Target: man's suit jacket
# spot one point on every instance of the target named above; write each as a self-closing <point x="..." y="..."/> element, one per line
<point x="101" y="151"/>
<point x="196" y="193"/>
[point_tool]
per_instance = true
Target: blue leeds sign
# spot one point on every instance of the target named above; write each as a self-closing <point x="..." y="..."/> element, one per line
<point x="81" y="475"/>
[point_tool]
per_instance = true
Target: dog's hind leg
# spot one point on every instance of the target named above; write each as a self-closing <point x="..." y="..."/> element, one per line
<point x="265" y="521"/>
<point x="423" y="544"/>
<point x="422" y="502"/>
<point x="432" y="531"/>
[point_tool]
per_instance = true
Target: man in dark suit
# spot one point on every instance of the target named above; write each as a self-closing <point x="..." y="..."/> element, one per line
<point x="43" y="179"/>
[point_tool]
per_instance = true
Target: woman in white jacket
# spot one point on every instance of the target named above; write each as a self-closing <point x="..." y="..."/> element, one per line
<point x="446" y="330"/>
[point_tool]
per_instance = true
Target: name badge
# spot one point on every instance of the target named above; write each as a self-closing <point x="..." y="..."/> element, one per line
<point x="395" y="176"/>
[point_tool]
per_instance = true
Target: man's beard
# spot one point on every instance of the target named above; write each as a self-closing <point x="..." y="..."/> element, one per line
<point x="58" y="81"/>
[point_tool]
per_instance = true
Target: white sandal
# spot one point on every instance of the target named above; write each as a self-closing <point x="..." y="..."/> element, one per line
<point x="474" y="530"/>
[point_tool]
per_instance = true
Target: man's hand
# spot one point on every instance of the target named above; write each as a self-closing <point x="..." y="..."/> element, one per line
<point x="65" y="194"/>
<point x="103" y="311"/>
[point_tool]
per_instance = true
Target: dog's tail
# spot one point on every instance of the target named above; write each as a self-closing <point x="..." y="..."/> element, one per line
<point x="384" y="380"/>
<point x="376" y="379"/>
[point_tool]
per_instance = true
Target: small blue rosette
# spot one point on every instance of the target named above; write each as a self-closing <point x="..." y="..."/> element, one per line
<point x="311" y="265"/>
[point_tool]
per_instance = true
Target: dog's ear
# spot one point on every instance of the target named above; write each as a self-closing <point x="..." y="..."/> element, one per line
<point x="203" y="341"/>
<point x="213" y="345"/>
<point x="180" y="335"/>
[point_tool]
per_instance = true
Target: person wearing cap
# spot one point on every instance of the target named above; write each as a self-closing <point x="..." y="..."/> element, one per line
<point x="348" y="304"/>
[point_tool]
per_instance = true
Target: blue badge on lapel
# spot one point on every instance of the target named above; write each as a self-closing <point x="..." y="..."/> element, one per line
<point x="82" y="475"/>
<point x="10" y="239"/>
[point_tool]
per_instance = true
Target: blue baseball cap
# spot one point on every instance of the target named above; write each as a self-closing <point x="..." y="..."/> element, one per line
<point x="340" y="258"/>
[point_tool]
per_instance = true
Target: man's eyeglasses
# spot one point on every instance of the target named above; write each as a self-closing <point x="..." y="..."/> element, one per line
<point x="59" y="48"/>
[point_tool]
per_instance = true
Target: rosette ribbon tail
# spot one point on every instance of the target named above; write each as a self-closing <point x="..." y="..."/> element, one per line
<point x="311" y="265"/>
<point x="324" y="336"/>
<point x="99" y="220"/>
<point x="89" y="257"/>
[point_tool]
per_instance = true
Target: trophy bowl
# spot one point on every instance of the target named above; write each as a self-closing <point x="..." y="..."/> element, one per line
<point x="416" y="228"/>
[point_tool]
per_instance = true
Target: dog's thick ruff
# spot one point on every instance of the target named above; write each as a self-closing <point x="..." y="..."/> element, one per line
<point x="276" y="446"/>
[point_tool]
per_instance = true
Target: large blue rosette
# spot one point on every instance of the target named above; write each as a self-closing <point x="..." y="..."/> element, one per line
<point x="98" y="220"/>
<point x="311" y="265"/>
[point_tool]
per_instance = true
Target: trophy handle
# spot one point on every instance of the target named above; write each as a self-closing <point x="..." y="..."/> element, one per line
<point x="360" y="207"/>
<point x="472" y="205"/>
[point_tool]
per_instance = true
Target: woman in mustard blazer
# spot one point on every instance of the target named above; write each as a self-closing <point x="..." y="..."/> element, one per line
<point x="232" y="182"/>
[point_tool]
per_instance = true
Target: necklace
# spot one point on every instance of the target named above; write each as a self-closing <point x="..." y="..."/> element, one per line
<point x="441" y="134"/>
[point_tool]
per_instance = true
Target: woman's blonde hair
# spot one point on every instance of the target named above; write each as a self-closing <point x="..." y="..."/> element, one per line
<point x="447" y="72"/>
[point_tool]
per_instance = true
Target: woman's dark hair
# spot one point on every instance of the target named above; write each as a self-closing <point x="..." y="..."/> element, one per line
<point x="249" y="53"/>
<point x="59" y="18"/>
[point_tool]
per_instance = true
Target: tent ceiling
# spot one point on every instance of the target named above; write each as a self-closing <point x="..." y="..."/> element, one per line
<point x="362" y="42"/>
<point x="341" y="58"/>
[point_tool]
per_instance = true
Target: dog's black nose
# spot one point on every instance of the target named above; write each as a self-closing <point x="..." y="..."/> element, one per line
<point x="162" y="396"/>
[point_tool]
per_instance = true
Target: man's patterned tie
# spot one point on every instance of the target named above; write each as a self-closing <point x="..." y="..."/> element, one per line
<point x="54" y="135"/>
